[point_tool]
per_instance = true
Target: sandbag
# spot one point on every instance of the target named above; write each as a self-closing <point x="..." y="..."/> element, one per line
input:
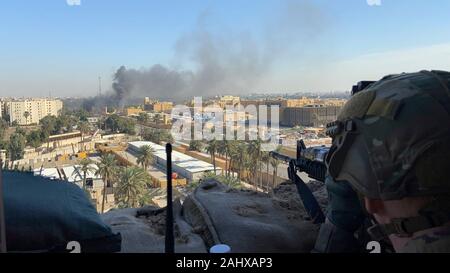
<point x="42" y="215"/>
<point x="247" y="221"/>
<point x="143" y="230"/>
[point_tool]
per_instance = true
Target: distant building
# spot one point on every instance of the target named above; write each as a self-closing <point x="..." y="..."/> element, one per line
<point x="148" y="101"/>
<point x="229" y="100"/>
<point x="160" y="107"/>
<point x="94" y="182"/>
<point x="3" y="156"/>
<point x="313" y="115"/>
<point x="133" y="111"/>
<point x="186" y="166"/>
<point x="297" y="102"/>
<point x="31" y="111"/>
<point x="257" y="103"/>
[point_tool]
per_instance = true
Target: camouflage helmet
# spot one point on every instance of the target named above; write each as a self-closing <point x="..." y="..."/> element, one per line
<point x="392" y="140"/>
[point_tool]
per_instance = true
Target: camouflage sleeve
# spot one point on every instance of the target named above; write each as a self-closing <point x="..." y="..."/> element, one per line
<point x="437" y="241"/>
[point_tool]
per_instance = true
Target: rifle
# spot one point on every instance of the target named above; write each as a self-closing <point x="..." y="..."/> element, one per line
<point x="312" y="162"/>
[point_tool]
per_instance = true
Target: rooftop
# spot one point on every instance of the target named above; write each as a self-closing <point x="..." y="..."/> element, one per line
<point x="186" y="162"/>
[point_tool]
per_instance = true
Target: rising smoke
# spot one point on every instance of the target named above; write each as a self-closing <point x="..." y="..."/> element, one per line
<point x="220" y="62"/>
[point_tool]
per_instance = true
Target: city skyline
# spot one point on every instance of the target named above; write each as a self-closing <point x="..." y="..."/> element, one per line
<point x="257" y="46"/>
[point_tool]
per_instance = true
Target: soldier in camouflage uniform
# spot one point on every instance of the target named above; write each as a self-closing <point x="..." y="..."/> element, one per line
<point x="391" y="144"/>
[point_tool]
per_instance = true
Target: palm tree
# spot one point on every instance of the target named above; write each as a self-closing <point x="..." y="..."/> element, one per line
<point x="222" y="149"/>
<point x="275" y="162"/>
<point x="195" y="145"/>
<point x="132" y="186"/>
<point x="26" y="115"/>
<point x="265" y="157"/>
<point x="84" y="168"/>
<point x="255" y="153"/>
<point x="143" y="118"/>
<point x="84" y="128"/>
<point x="240" y="155"/>
<point x="146" y="156"/>
<point x="156" y="118"/>
<point x="212" y="149"/>
<point x="231" y="150"/>
<point x="107" y="168"/>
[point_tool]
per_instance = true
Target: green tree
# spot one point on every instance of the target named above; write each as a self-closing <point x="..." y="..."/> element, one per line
<point x="85" y="167"/>
<point x="211" y="148"/>
<point x="195" y="145"/>
<point x="112" y="123"/>
<point x="143" y="118"/>
<point x="3" y="127"/>
<point x="16" y="146"/>
<point x="5" y="118"/>
<point x="84" y="128"/>
<point x="146" y="156"/>
<point x="21" y="131"/>
<point x="239" y="153"/>
<point x="81" y="115"/>
<point x="65" y="123"/>
<point x="3" y="145"/>
<point x="232" y="147"/>
<point x="157" y="136"/>
<point x="35" y="138"/>
<point x="229" y="181"/>
<point x="132" y="187"/>
<point x="222" y="149"/>
<point x="156" y="118"/>
<point x="48" y="125"/>
<point x="255" y="153"/>
<point x="275" y="162"/>
<point x="26" y="115"/>
<point x="117" y="124"/>
<point x="106" y="168"/>
<point x="265" y="157"/>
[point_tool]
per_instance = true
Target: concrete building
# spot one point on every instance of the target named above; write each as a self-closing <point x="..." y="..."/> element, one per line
<point x="314" y="115"/>
<point x="156" y="106"/>
<point x="186" y="166"/>
<point x="31" y="111"/>
<point x="229" y="100"/>
<point x="133" y="111"/>
<point x="94" y="183"/>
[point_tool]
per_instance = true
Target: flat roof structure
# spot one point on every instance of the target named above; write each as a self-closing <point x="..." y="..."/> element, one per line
<point x="71" y="175"/>
<point x="51" y="173"/>
<point x="187" y="166"/>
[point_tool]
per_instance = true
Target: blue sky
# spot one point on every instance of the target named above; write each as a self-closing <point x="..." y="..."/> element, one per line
<point x="49" y="46"/>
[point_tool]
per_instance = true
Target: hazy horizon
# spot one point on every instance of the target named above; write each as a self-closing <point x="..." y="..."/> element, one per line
<point x="184" y="48"/>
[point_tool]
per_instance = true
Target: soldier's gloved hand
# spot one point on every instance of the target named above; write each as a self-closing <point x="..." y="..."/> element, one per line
<point x="344" y="217"/>
<point x="344" y="207"/>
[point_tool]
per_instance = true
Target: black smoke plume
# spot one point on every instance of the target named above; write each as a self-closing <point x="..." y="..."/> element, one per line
<point x="211" y="63"/>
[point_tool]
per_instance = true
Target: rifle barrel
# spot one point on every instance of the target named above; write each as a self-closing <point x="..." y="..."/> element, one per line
<point x="281" y="157"/>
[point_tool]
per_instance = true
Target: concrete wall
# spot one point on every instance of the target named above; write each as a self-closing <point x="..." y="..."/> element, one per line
<point x="309" y="116"/>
